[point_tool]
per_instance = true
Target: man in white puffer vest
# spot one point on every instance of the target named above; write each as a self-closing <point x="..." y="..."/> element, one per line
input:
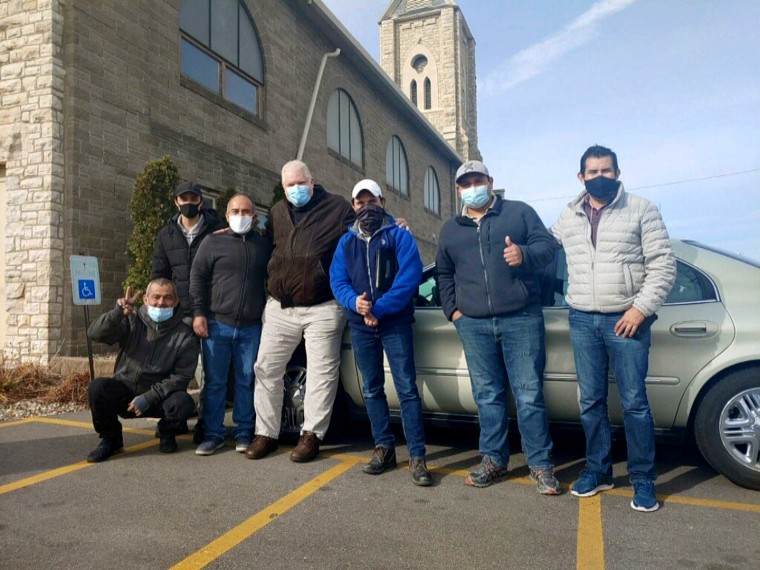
<point x="621" y="268"/>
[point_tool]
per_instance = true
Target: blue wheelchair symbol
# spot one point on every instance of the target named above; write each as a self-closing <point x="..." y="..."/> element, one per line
<point x="86" y="289"/>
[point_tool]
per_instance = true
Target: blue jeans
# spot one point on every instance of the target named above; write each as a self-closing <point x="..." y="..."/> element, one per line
<point x="399" y="348"/>
<point x="595" y="346"/>
<point x="502" y="351"/>
<point x="226" y="344"/>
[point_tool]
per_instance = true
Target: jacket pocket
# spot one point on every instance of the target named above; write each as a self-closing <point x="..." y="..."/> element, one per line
<point x="628" y="280"/>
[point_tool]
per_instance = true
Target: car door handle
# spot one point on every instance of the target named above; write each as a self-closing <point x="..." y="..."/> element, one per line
<point x="694" y="329"/>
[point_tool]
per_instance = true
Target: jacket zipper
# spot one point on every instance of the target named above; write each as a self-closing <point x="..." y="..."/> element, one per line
<point x="485" y="272"/>
<point x="242" y="290"/>
<point x="369" y="272"/>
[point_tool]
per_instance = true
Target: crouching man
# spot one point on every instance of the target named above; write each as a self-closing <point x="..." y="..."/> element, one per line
<point x="157" y="359"/>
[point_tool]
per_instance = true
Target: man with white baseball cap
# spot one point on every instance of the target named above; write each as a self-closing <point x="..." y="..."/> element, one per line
<point x="374" y="276"/>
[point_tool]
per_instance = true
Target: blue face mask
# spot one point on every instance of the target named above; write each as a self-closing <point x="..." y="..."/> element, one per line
<point x="475" y="196"/>
<point x="160" y="314"/>
<point x="298" y="195"/>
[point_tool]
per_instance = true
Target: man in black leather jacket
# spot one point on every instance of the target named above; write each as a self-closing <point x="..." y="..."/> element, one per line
<point x="158" y="356"/>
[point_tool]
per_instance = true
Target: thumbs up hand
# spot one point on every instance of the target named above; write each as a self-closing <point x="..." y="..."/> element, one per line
<point x="363" y="306"/>
<point x="512" y="253"/>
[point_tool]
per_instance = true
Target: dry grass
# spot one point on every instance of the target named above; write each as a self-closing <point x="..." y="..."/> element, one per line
<point x="34" y="382"/>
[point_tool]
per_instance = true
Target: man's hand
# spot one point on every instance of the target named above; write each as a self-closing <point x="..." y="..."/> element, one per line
<point x="456" y="315"/>
<point x="629" y="323"/>
<point x="363" y="306"/>
<point x="370" y="320"/>
<point x="139" y="405"/>
<point x="512" y="253"/>
<point x="402" y="223"/>
<point x="200" y="327"/>
<point x="126" y="302"/>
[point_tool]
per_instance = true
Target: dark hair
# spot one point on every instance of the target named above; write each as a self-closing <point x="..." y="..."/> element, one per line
<point x="597" y="151"/>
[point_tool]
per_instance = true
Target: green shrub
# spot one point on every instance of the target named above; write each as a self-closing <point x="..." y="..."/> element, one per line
<point x="278" y="193"/>
<point x="151" y="208"/>
<point x="223" y="200"/>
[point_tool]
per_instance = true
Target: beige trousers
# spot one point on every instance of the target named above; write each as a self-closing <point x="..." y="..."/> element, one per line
<point x="321" y="327"/>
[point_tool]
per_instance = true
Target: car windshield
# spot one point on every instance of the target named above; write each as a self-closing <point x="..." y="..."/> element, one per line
<point x="724" y="252"/>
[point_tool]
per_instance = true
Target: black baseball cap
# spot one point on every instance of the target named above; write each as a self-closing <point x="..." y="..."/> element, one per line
<point x="188" y="187"/>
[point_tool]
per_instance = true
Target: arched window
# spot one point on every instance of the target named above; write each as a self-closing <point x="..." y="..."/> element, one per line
<point x="428" y="96"/>
<point x="220" y="50"/>
<point x="413" y="91"/>
<point x="344" y="131"/>
<point x="432" y="192"/>
<point x="396" y="166"/>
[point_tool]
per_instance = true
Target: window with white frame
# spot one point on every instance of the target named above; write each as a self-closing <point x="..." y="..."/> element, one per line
<point x="344" y="131"/>
<point x="220" y="50"/>
<point x="432" y="192"/>
<point x="396" y="166"/>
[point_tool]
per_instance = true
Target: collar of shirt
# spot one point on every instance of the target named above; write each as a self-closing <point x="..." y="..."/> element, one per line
<point x="192" y="232"/>
<point x="466" y="210"/>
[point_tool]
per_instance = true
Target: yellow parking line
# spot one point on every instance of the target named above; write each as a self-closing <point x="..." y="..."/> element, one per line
<point x="694" y="501"/>
<point x="16" y="422"/>
<point x="67" y="469"/>
<point x="87" y="425"/>
<point x="244" y="530"/>
<point x="590" y="549"/>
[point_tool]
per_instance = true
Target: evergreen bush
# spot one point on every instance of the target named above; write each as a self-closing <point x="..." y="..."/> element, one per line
<point x="151" y="207"/>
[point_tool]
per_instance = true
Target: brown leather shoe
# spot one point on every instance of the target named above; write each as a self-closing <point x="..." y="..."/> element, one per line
<point x="260" y="447"/>
<point x="307" y="448"/>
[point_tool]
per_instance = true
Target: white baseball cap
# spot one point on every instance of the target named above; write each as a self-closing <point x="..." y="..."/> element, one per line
<point x="368" y="185"/>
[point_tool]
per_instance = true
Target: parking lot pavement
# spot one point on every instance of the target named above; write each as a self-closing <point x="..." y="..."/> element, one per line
<point x="144" y="509"/>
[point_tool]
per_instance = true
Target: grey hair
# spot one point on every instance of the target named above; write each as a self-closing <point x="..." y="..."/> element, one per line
<point x="296" y="165"/>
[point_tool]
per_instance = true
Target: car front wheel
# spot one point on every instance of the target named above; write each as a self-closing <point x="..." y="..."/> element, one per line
<point x="727" y="427"/>
<point x="292" y="405"/>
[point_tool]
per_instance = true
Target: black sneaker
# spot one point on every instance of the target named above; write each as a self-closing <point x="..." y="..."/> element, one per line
<point x="383" y="458"/>
<point x="168" y="444"/>
<point x="108" y="446"/>
<point x="182" y="429"/>
<point x="420" y="474"/>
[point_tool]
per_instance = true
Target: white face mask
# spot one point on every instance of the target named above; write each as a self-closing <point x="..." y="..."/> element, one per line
<point x="241" y="224"/>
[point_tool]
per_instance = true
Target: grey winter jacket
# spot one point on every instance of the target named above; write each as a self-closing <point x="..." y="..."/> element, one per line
<point x="632" y="264"/>
<point x="156" y="359"/>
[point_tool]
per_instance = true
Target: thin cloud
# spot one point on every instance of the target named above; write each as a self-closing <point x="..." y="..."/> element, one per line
<point x="536" y="59"/>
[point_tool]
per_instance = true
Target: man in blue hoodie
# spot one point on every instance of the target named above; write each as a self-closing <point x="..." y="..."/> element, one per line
<point x="375" y="275"/>
<point x="492" y="295"/>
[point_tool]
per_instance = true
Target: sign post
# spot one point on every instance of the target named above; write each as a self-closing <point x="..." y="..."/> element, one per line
<point x="85" y="287"/>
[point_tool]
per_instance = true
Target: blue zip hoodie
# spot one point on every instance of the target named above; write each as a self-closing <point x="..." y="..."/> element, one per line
<point x="353" y="269"/>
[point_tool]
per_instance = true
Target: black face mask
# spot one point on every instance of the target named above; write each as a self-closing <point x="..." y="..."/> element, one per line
<point x="189" y="210"/>
<point x="602" y="188"/>
<point x="370" y="218"/>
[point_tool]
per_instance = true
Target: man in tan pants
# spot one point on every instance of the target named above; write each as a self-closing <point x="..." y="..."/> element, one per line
<point x="305" y="229"/>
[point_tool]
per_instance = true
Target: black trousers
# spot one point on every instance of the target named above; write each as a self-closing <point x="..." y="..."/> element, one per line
<point x="109" y="399"/>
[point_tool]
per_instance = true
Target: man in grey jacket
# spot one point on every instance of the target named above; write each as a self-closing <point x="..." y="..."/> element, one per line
<point x="621" y="268"/>
<point x="158" y="356"/>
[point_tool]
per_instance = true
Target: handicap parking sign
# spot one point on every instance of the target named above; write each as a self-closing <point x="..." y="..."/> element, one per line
<point x="85" y="280"/>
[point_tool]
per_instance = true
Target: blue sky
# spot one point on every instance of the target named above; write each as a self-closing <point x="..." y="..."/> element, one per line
<point x="672" y="87"/>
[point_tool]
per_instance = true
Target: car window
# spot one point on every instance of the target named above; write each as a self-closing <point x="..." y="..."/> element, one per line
<point x="691" y="286"/>
<point x="554" y="282"/>
<point x="427" y="294"/>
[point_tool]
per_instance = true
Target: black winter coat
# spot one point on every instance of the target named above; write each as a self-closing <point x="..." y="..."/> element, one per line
<point x="173" y="258"/>
<point x="156" y="359"/>
<point x="471" y="272"/>
<point x="228" y="278"/>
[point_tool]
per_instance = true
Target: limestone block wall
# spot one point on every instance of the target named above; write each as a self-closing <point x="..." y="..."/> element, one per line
<point x="31" y="128"/>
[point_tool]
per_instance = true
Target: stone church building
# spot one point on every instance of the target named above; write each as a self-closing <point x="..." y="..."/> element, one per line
<point x="92" y="91"/>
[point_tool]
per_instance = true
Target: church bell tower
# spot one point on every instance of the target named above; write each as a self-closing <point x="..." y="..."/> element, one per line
<point x="427" y="48"/>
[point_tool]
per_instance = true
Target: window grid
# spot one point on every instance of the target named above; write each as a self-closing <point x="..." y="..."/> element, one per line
<point x="432" y="192"/>
<point x="344" y="128"/>
<point x="226" y="68"/>
<point x="413" y="92"/>
<point x="428" y="95"/>
<point x="397" y="167"/>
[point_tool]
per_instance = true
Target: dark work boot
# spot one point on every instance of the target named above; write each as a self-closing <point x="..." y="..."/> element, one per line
<point x="383" y="458"/>
<point x="307" y="448"/>
<point x="108" y="446"/>
<point x="420" y="474"/>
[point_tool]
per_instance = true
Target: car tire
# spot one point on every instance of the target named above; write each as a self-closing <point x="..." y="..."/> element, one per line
<point x="727" y="427"/>
<point x="292" y="404"/>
